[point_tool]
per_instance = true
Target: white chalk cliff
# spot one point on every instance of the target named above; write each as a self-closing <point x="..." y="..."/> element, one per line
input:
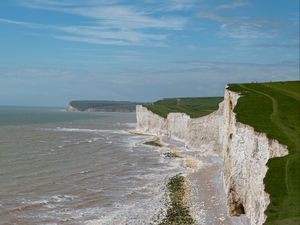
<point x="245" y="152"/>
<point x="70" y="108"/>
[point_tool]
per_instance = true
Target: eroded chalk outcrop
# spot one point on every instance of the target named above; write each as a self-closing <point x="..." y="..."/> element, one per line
<point x="70" y="108"/>
<point x="245" y="152"/>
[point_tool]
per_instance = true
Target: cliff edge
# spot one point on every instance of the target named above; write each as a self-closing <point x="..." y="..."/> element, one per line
<point x="245" y="152"/>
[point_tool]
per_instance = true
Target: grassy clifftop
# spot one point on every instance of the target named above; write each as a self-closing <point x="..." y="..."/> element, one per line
<point x="271" y="108"/>
<point x="103" y="105"/>
<point x="274" y="109"/>
<point x="194" y="107"/>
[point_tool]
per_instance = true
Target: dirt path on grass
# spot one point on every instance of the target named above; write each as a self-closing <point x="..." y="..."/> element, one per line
<point x="290" y="94"/>
<point x="275" y="113"/>
<point x="278" y="122"/>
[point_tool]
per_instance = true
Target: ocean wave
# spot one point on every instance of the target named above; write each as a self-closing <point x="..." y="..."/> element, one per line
<point x="130" y="125"/>
<point x="32" y="204"/>
<point x="27" y="205"/>
<point x="84" y="141"/>
<point x="83" y="130"/>
<point x="134" y="213"/>
<point x="49" y="199"/>
<point x="61" y="198"/>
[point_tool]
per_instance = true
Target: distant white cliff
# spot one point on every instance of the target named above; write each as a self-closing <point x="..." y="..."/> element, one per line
<point x="244" y="151"/>
<point x="70" y="108"/>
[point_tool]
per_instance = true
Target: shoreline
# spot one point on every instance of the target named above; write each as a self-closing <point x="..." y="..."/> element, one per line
<point x="204" y="193"/>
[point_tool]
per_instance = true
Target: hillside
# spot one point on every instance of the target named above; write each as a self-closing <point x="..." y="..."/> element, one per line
<point x="273" y="108"/>
<point x="102" y="106"/>
<point x="194" y="107"/>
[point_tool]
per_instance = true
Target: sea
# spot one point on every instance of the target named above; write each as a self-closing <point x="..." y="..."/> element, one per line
<point x="59" y="167"/>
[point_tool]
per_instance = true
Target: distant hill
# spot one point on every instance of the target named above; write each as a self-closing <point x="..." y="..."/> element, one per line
<point x="102" y="106"/>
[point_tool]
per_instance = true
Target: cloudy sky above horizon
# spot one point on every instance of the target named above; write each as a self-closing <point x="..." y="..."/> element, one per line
<point x="54" y="51"/>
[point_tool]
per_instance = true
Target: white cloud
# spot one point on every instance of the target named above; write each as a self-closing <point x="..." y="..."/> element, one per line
<point x="179" y="5"/>
<point x="244" y="29"/>
<point x="233" y="5"/>
<point x="96" y="35"/>
<point x="19" y="23"/>
<point x="63" y="3"/>
<point x="106" y="23"/>
<point x="247" y="31"/>
<point x="126" y="17"/>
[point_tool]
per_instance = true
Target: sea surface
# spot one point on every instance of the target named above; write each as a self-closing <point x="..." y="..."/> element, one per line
<point x="60" y="167"/>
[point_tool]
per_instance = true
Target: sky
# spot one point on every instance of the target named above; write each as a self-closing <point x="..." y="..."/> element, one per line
<point x="54" y="51"/>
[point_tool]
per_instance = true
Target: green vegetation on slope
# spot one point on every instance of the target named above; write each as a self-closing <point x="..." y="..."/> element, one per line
<point x="104" y="105"/>
<point x="172" y="154"/>
<point x="177" y="212"/>
<point x="194" y="107"/>
<point x="155" y="143"/>
<point x="274" y="109"/>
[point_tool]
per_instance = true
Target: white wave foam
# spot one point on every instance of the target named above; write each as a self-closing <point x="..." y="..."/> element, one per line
<point x="48" y="200"/>
<point x="83" y="130"/>
<point x="134" y="214"/>
<point x="38" y="202"/>
<point x="61" y="198"/>
<point x="130" y="125"/>
<point x="68" y="143"/>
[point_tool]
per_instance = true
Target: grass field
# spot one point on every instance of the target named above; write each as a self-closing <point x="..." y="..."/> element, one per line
<point x="194" y="107"/>
<point x="274" y="109"/>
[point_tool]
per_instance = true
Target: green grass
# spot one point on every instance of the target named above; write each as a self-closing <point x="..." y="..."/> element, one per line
<point x="274" y="109"/>
<point x="194" y="107"/>
<point x="172" y="155"/>
<point x="177" y="212"/>
<point x="82" y="105"/>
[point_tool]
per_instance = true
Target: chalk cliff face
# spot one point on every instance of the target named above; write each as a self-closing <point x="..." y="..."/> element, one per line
<point x="245" y="152"/>
<point x="199" y="134"/>
<point x="71" y="109"/>
<point x="203" y="132"/>
<point x="177" y="126"/>
<point x="148" y="122"/>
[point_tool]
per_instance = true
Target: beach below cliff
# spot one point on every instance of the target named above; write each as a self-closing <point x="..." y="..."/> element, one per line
<point x="206" y="196"/>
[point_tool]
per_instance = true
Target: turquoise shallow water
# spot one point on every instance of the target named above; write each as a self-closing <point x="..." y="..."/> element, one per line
<point x="58" y="167"/>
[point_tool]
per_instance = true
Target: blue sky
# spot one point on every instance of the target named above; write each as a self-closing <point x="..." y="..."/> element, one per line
<point x="53" y="51"/>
